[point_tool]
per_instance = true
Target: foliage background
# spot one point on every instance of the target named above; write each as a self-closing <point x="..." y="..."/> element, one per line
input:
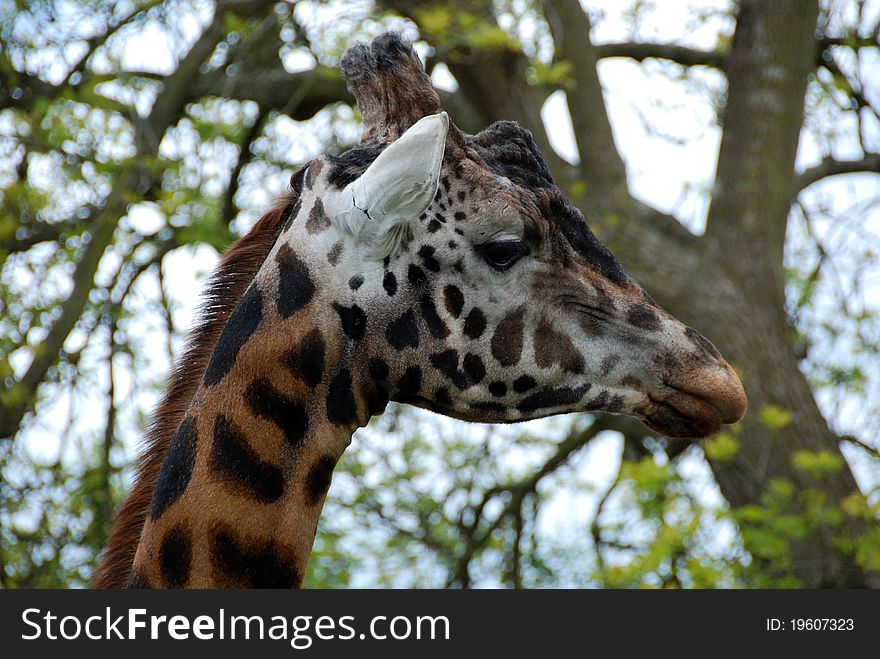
<point x="139" y="138"/>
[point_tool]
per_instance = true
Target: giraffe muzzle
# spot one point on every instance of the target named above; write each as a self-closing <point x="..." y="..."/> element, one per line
<point x="698" y="402"/>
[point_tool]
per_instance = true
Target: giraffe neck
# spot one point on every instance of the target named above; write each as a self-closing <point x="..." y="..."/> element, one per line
<point x="242" y="487"/>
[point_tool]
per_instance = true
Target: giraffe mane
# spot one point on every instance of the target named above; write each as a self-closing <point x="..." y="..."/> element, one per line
<point x="237" y="269"/>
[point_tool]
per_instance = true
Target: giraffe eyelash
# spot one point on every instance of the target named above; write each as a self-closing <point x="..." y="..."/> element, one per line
<point x="502" y="254"/>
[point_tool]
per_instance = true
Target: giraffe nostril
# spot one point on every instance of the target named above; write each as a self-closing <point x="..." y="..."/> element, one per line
<point x="701" y="342"/>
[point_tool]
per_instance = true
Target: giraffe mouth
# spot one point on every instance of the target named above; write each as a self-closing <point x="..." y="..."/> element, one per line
<point x="682" y="414"/>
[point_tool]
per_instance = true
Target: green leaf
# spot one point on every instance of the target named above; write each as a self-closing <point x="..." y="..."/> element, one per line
<point x="723" y="447"/>
<point x="817" y="463"/>
<point x="774" y="417"/>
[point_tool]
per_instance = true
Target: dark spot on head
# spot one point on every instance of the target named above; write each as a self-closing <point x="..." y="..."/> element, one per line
<point x="597" y="402"/>
<point x="318" y="480"/>
<point x="240" y="466"/>
<point x="353" y="163"/>
<point x="475" y="324"/>
<point x="306" y="361"/>
<point x="268" y="403"/>
<point x="177" y="468"/>
<point x="434" y="226"/>
<point x="474" y="368"/>
<point x="552" y="347"/>
<point x="353" y="320"/>
<point x="378" y="369"/>
<point x="452" y="244"/>
<point x="389" y="283"/>
<point x="507" y="342"/>
<point x="377" y="400"/>
<point x="411" y="381"/>
<point x="666" y="363"/>
<point x="644" y="317"/>
<point x="175" y="557"/>
<point x="552" y="397"/>
<point x="295" y="286"/>
<point x="266" y="565"/>
<point x="317" y="221"/>
<point x="460" y="216"/>
<point x="426" y="252"/>
<point x="454" y="300"/>
<point x="355" y="282"/>
<point x="243" y="322"/>
<point x="403" y="331"/>
<point x="524" y="383"/>
<point x="435" y="324"/>
<point x="498" y="389"/>
<point x="461" y="195"/>
<point x="334" y="253"/>
<point x="444" y="180"/>
<point x="447" y="363"/>
<point x="441" y="396"/>
<point x="416" y="275"/>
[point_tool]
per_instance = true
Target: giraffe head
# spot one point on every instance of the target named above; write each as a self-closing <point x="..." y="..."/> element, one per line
<point x="464" y="282"/>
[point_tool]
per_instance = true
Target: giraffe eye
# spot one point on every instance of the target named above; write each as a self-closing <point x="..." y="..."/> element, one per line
<point x="502" y="254"/>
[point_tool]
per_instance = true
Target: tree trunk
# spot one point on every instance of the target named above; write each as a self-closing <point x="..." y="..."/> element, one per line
<point x="729" y="283"/>
<point x="773" y="53"/>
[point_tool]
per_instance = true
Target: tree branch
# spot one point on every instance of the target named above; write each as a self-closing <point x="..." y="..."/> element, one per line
<point x="244" y="157"/>
<point x="271" y="88"/>
<point x="33" y="234"/>
<point x="852" y="439"/>
<point x="519" y="490"/>
<point x="641" y="50"/>
<point x="599" y="157"/>
<point x="134" y="179"/>
<point x="833" y="167"/>
<point x="595" y="529"/>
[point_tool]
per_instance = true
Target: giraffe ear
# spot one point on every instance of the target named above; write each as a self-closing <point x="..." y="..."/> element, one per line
<point x="397" y="188"/>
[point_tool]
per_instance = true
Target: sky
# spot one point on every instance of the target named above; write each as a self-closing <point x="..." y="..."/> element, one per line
<point x="672" y="171"/>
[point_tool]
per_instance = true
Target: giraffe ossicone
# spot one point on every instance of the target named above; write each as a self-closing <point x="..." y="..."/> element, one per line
<point x="424" y="266"/>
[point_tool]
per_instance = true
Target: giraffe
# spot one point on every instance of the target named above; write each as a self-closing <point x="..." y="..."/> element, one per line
<point x="423" y="266"/>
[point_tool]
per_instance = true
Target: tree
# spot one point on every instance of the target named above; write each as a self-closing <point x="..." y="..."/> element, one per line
<point x="94" y="144"/>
